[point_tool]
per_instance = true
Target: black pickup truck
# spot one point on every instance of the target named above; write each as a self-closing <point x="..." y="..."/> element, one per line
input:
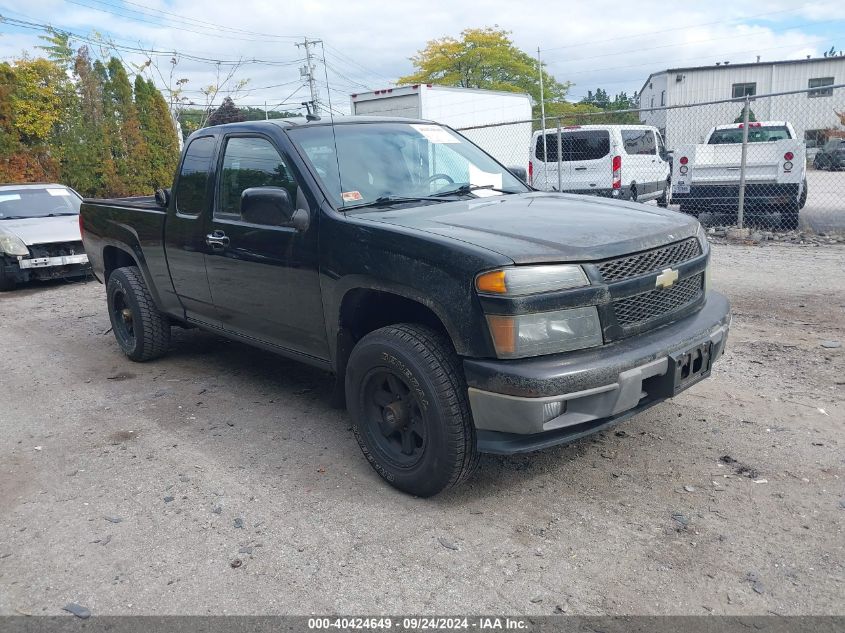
<point x="461" y="311"/>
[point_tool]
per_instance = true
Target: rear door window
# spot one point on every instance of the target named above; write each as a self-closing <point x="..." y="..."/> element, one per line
<point x="192" y="189"/>
<point x="639" y="142"/>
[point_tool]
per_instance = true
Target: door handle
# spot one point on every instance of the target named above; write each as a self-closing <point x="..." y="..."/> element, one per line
<point x="580" y="169"/>
<point x="217" y="240"/>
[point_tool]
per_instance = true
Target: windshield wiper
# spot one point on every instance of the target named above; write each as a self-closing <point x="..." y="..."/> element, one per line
<point x="388" y="200"/>
<point x="465" y="189"/>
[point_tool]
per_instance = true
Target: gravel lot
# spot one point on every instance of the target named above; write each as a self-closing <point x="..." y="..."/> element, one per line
<point x="218" y="480"/>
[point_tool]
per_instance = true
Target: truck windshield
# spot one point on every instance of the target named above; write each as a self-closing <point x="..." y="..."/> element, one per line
<point x="37" y="202"/>
<point x="756" y="134"/>
<point x="361" y="163"/>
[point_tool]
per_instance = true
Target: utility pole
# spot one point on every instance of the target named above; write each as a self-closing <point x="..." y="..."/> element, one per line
<point x="543" y="113"/>
<point x="307" y="71"/>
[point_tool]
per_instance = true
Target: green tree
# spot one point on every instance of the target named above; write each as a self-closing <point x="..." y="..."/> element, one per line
<point x="158" y="133"/>
<point x="482" y="58"/>
<point x="741" y="116"/>
<point x="58" y="48"/>
<point x="130" y="152"/>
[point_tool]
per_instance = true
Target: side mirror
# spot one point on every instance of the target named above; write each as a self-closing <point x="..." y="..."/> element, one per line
<point x="667" y="155"/>
<point x="272" y="206"/>
<point x="519" y="172"/>
<point x="162" y="197"/>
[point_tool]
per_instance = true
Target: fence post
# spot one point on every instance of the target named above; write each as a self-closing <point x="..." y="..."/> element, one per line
<point x="559" y="158"/>
<point x="740" y="212"/>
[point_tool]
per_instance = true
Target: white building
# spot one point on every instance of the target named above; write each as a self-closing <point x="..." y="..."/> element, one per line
<point x="811" y="112"/>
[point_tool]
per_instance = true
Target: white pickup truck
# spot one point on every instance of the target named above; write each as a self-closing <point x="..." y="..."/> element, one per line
<point x="707" y="176"/>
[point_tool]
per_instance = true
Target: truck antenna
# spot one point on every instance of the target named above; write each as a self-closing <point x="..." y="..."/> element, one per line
<point x="331" y="118"/>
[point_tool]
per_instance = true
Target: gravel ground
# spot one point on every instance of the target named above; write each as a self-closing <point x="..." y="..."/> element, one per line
<point x="218" y="480"/>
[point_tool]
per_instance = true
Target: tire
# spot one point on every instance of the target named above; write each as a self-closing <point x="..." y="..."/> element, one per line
<point x="663" y="200"/>
<point x="6" y="282"/>
<point x="689" y="210"/>
<point x="142" y="332"/>
<point x="789" y="214"/>
<point x="410" y="413"/>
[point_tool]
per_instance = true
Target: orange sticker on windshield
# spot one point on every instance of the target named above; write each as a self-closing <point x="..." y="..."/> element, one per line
<point x="351" y="196"/>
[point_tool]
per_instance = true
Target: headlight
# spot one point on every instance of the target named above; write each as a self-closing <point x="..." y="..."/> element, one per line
<point x="528" y="280"/>
<point x="701" y="234"/>
<point x="541" y="333"/>
<point x="12" y="245"/>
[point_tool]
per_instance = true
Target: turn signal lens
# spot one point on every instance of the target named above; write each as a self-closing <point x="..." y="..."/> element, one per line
<point x="528" y="280"/>
<point x="492" y="282"/>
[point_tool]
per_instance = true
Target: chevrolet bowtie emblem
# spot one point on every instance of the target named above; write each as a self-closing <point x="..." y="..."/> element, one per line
<point x="666" y="278"/>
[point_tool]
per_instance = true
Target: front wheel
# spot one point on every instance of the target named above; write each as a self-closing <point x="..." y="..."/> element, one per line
<point x="410" y="414"/>
<point x="7" y="282"/>
<point x="142" y="332"/>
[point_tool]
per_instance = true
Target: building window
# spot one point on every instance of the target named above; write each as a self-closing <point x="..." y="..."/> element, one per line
<point x="744" y="90"/>
<point x="819" y="83"/>
<point x="663" y="97"/>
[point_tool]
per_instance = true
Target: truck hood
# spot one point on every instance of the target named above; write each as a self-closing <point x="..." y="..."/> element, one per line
<point x="546" y="227"/>
<point x="64" y="228"/>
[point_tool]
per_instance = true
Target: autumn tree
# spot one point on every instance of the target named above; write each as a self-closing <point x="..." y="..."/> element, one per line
<point x="228" y="112"/>
<point x="483" y="58"/>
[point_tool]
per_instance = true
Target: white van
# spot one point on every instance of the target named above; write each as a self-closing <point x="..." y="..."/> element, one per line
<point x="627" y="162"/>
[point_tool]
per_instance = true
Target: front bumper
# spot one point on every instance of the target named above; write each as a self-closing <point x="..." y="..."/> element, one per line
<point x="585" y="391"/>
<point x="49" y="262"/>
<point x="24" y="269"/>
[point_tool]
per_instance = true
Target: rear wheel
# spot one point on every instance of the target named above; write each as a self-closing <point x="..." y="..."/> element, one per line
<point x="410" y="414"/>
<point x="142" y="332"/>
<point x="663" y="200"/>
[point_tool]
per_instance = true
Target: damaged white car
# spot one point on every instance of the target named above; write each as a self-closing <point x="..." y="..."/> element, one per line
<point x="39" y="234"/>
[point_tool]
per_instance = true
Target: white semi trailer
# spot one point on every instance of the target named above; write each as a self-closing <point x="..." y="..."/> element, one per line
<point x="460" y="108"/>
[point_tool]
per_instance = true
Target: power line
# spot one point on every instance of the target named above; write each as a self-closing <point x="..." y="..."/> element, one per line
<point x="208" y="31"/>
<point x="39" y="26"/>
<point x="148" y="9"/>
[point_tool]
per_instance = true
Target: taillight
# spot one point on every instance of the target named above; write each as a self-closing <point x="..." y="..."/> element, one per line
<point x="530" y="172"/>
<point x="616" y="166"/>
<point x="684" y="160"/>
<point x="788" y="156"/>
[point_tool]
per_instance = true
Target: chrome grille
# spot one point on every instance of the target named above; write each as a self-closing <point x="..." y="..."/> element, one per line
<point x="646" y="306"/>
<point x="649" y="261"/>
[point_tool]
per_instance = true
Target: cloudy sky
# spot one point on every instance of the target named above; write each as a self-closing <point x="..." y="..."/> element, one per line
<point x="603" y="43"/>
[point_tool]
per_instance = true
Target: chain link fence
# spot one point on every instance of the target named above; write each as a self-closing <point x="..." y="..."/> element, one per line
<point x="773" y="162"/>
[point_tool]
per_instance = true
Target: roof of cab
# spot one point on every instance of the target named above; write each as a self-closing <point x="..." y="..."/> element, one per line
<point x="733" y="126"/>
<point x="6" y="186"/>
<point x="303" y="122"/>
